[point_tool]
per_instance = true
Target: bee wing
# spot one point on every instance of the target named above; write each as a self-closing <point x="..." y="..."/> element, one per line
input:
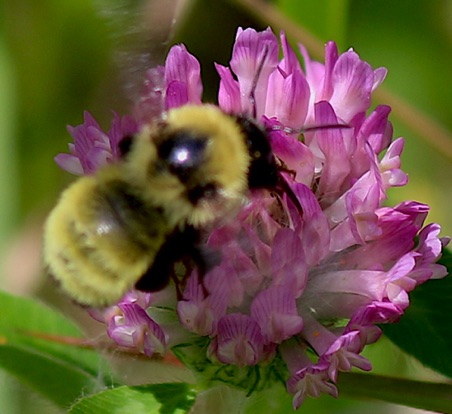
<point x="141" y="31"/>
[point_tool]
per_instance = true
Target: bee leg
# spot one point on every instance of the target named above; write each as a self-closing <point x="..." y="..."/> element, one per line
<point x="158" y="275"/>
<point x="196" y="254"/>
<point x="180" y="246"/>
<point x="125" y="145"/>
<point x="205" y="259"/>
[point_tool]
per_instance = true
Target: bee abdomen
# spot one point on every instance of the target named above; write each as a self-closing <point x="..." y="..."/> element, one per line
<point x="93" y="244"/>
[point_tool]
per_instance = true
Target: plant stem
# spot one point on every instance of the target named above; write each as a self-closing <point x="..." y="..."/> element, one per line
<point x="418" y="394"/>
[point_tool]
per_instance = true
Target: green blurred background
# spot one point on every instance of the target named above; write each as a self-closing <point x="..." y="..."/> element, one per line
<point x="58" y="59"/>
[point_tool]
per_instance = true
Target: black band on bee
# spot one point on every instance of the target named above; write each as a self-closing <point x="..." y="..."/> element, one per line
<point x="262" y="172"/>
<point x="126" y="210"/>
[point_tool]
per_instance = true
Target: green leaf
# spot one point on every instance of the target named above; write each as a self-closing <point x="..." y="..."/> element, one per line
<point x="446" y="260"/>
<point x="58" y="371"/>
<point x="56" y="380"/>
<point x="424" y="330"/>
<point x="22" y="320"/>
<point x="161" y="398"/>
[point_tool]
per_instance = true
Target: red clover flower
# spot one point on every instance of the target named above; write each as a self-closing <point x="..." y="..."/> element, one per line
<point x="295" y="294"/>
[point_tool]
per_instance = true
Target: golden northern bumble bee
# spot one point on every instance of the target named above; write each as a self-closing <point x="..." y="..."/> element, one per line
<point x="130" y="222"/>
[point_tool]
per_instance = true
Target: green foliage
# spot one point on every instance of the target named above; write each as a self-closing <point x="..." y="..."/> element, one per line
<point x="326" y="18"/>
<point x="55" y="379"/>
<point x="162" y="399"/>
<point x="21" y="319"/>
<point x="30" y="351"/>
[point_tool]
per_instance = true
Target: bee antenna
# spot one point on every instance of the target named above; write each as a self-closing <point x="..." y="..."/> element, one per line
<point x="326" y="126"/>
<point x="255" y="80"/>
<point x="284" y="187"/>
<point x="290" y="130"/>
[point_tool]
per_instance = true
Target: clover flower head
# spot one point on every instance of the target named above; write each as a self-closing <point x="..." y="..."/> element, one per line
<point x="304" y="278"/>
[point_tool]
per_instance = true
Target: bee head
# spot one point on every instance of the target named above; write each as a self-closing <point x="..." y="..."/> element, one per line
<point x="183" y="153"/>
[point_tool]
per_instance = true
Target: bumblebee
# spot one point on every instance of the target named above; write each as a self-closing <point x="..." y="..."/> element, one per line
<point x="129" y="223"/>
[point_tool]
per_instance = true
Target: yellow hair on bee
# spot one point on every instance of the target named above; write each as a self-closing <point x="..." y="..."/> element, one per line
<point x="88" y="251"/>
